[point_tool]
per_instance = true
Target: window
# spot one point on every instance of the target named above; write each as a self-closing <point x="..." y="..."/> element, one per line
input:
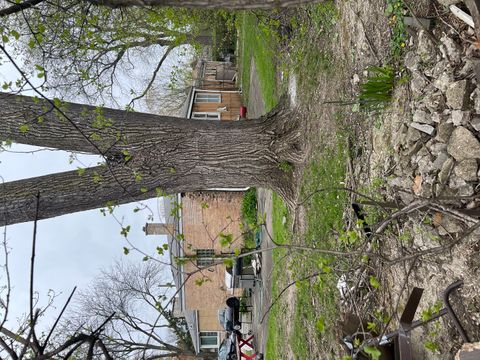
<point x="208" y="98"/>
<point x="208" y="339"/>
<point x="206" y="116"/>
<point x="205" y="257"/>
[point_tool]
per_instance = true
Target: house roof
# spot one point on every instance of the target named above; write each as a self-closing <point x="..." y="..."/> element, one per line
<point x="187" y="105"/>
<point x="173" y="214"/>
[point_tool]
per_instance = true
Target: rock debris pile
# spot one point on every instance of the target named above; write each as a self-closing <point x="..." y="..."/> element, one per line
<point x="438" y="148"/>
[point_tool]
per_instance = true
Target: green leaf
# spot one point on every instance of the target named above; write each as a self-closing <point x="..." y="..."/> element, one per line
<point x="159" y="192"/>
<point x="165" y="246"/>
<point x="57" y="102"/>
<point x="236" y="252"/>
<point x="138" y="176"/>
<point x="228" y="262"/>
<point x="143" y="189"/>
<point x="7" y="143"/>
<point x="24" y="128"/>
<point x="125" y="230"/>
<point x="15" y="34"/>
<point x="373" y="352"/>
<point x="389" y="9"/>
<point x="160" y="250"/>
<point x="180" y="237"/>
<point x="97" y="178"/>
<point x="80" y="171"/>
<point x="374" y="282"/>
<point x="41" y="28"/>
<point x="430" y="345"/>
<point x="320" y="325"/>
<point x="146" y="258"/>
<point x="32" y="43"/>
<point x="126" y="251"/>
<point x="199" y="282"/>
<point x="225" y="239"/>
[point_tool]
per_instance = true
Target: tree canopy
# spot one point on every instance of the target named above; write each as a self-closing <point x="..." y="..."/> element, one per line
<point x="84" y="50"/>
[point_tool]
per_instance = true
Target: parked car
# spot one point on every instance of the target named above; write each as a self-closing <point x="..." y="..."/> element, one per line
<point x="229" y="317"/>
<point x="227" y="349"/>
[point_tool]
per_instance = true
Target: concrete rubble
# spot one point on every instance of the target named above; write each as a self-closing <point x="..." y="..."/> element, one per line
<point x="438" y="147"/>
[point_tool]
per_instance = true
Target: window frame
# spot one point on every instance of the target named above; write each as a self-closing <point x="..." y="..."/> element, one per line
<point x="208" y="115"/>
<point x="205" y="257"/>
<point x="209" y="334"/>
<point x="204" y="97"/>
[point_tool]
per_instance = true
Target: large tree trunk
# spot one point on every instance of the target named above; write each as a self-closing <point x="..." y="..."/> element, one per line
<point x="225" y="4"/>
<point x="144" y="154"/>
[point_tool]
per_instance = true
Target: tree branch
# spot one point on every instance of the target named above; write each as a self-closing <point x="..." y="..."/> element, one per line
<point x="19" y="7"/>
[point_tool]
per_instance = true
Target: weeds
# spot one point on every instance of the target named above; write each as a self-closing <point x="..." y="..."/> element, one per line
<point x="376" y="92"/>
<point x="285" y="166"/>
<point x="396" y="11"/>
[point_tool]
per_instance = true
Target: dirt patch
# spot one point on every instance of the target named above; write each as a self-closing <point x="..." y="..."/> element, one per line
<point x="255" y="105"/>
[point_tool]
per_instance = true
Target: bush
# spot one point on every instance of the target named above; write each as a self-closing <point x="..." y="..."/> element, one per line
<point x="249" y="217"/>
<point x="249" y="207"/>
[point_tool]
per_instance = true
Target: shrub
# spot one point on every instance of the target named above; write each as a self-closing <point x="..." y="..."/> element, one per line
<point x="249" y="217"/>
<point x="249" y="207"/>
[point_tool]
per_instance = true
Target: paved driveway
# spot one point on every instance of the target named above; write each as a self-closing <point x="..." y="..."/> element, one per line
<point x="261" y="295"/>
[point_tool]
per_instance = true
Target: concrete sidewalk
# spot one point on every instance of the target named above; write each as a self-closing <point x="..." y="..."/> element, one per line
<point x="262" y="291"/>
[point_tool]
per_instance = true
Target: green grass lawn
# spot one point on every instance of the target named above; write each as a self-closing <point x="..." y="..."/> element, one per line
<point x="257" y="44"/>
<point x="324" y="210"/>
<point x="276" y="333"/>
<point x="316" y="299"/>
<point x="324" y="214"/>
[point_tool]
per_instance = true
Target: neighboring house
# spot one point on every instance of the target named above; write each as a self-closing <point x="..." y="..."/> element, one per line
<point x="198" y="219"/>
<point x="214" y="96"/>
<point x="194" y="226"/>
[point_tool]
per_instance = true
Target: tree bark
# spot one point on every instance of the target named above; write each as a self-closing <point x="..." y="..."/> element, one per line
<point x="225" y="4"/>
<point x="144" y="154"/>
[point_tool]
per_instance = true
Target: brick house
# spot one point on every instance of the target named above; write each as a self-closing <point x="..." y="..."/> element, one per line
<point x="194" y="224"/>
<point x="195" y="221"/>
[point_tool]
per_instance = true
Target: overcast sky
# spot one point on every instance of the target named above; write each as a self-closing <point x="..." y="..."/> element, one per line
<point x="72" y="248"/>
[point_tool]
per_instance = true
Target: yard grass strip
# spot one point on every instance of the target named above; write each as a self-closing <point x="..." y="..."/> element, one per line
<point x="257" y="44"/>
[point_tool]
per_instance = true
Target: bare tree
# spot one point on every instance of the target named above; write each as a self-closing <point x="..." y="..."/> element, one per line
<point x="143" y="325"/>
<point x="25" y="341"/>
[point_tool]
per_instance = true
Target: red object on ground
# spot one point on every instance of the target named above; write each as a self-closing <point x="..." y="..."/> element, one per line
<point x="249" y="344"/>
<point x="243" y="111"/>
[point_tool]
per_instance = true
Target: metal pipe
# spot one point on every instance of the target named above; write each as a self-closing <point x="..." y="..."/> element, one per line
<point x="451" y="312"/>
